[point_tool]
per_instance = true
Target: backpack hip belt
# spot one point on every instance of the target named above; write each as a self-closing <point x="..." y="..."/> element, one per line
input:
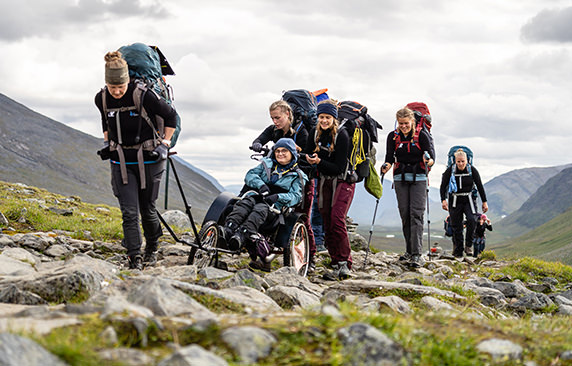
<point x="147" y="145"/>
<point x="464" y="194"/>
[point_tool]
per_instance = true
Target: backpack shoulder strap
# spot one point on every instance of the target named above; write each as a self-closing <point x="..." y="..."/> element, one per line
<point x="104" y="100"/>
<point x="301" y="177"/>
<point x="138" y="98"/>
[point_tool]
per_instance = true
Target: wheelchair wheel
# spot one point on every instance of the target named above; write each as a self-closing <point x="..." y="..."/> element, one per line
<point x="297" y="252"/>
<point x="208" y="237"/>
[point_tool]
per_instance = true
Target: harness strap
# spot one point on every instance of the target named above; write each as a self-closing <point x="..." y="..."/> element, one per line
<point x="465" y="194"/>
<point x="301" y="177"/>
<point x="146" y="145"/>
<point x="323" y="179"/>
<point x="320" y="193"/>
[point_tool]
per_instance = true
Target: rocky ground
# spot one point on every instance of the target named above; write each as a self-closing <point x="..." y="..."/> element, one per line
<point x="49" y="281"/>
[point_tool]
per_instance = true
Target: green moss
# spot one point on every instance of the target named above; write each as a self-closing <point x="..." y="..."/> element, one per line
<point x="219" y="305"/>
<point x="77" y="345"/>
<point x="531" y="269"/>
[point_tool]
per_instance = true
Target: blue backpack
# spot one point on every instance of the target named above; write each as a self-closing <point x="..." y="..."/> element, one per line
<point x="148" y="65"/>
<point x="451" y="162"/>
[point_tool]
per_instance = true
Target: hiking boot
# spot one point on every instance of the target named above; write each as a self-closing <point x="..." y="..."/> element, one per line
<point x="260" y="265"/>
<point x="320" y="248"/>
<point x="262" y="247"/>
<point x="468" y="250"/>
<point x="235" y="241"/>
<point x="417" y="261"/>
<point x="150" y="258"/>
<point x="135" y="262"/>
<point x="311" y="264"/>
<point x="405" y="257"/>
<point x="332" y="275"/>
<point x="228" y="230"/>
<point x="343" y="271"/>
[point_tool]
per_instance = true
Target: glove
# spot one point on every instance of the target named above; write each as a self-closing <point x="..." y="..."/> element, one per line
<point x="162" y="151"/>
<point x="257" y="146"/>
<point x="104" y="152"/>
<point x="272" y="199"/>
<point x="264" y="190"/>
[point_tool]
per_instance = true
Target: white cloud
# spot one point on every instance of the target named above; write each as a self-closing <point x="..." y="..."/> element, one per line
<point x="507" y="99"/>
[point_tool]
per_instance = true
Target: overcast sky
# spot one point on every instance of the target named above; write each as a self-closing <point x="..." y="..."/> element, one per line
<point x="497" y="75"/>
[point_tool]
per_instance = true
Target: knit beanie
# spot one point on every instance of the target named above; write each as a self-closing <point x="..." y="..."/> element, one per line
<point x="328" y="108"/>
<point x="117" y="75"/>
<point x="286" y="143"/>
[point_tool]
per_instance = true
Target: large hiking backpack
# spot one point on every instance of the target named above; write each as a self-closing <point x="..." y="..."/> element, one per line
<point x="321" y="95"/>
<point x="423" y="120"/>
<point x="451" y="163"/>
<point x="304" y="105"/>
<point x="147" y="66"/>
<point x="362" y="130"/>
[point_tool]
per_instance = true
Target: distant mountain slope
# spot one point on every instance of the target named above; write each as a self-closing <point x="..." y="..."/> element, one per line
<point x="550" y="200"/>
<point x="507" y="192"/>
<point x="41" y="152"/>
<point x="551" y="241"/>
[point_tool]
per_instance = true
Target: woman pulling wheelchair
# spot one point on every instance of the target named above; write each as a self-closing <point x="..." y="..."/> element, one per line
<point x="279" y="182"/>
<point x="283" y="126"/>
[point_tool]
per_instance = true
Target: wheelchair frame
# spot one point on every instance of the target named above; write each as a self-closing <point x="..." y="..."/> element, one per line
<point x="208" y="243"/>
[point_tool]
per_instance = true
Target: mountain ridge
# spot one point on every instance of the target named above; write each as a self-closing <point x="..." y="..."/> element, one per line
<point x="42" y="152"/>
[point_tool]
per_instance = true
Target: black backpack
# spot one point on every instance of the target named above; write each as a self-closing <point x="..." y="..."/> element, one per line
<point x="304" y="105"/>
<point x="362" y="131"/>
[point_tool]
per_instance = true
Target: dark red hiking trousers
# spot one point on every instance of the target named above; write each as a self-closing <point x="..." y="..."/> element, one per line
<point x="307" y="210"/>
<point x="334" y="207"/>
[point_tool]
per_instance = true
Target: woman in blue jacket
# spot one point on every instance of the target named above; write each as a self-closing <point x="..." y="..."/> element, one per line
<point x="279" y="183"/>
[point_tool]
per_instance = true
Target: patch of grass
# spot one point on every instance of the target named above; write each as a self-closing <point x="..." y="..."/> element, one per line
<point x="77" y="345"/>
<point x="531" y="269"/>
<point x="488" y="255"/>
<point x="405" y="294"/>
<point x="130" y="336"/>
<point x="219" y="305"/>
<point x="32" y="206"/>
<point x="205" y="337"/>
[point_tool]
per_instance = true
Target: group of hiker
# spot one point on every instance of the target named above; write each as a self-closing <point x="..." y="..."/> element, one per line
<point x="306" y="169"/>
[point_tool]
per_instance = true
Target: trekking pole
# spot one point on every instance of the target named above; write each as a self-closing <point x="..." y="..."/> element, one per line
<point x="427" y="156"/>
<point x="167" y="184"/>
<point x="372" y="224"/>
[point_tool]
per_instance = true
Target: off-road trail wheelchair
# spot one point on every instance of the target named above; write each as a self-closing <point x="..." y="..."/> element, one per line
<point x="287" y="235"/>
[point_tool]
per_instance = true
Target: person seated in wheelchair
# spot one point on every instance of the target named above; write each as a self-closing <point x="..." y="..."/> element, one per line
<point x="277" y="185"/>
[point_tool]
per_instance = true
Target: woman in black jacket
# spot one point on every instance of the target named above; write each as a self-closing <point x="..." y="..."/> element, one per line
<point x="459" y="194"/>
<point x="137" y="149"/>
<point x="328" y="150"/>
<point x="405" y="150"/>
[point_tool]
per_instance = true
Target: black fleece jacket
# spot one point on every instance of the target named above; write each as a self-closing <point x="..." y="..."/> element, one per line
<point x="130" y="121"/>
<point x="464" y="183"/>
<point x="332" y="163"/>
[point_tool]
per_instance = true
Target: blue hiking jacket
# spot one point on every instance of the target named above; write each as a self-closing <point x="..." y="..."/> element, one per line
<point x="289" y="181"/>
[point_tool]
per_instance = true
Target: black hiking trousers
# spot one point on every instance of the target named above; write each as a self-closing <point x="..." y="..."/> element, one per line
<point x="134" y="201"/>
<point x="456" y="213"/>
<point x="248" y="215"/>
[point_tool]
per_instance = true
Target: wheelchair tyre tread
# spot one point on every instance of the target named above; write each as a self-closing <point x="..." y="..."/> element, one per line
<point x="208" y="236"/>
